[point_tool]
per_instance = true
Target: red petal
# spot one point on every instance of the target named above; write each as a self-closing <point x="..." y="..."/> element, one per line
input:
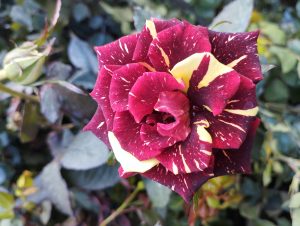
<point x="218" y="92"/>
<point x="230" y="128"/>
<point x="177" y="43"/>
<point x="98" y="127"/>
<point x="192" y="155"/>
<point x="144" y="94"/>
<point x="152" y="138"/>
<point x="119" y="52"/>
<point x="100" y="93"/>
<point x="122" y="81"/>
<point x="184" y="184"/>
<point x="177" y="104"/>
<point x="238" y="47"/>
<point x="236" y="161"/>
<point x="145" y="38"/>
<point x="127" y="131"/>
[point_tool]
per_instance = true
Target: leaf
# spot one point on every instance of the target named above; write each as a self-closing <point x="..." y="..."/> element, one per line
<point x="31" y="122"/>
<point x="52" y="183"/>
<point x="295" y="201"/>
<point x="273" y="32"/>
<point x="261" y="222"/>
<point x="295" y="217"/>
<point x="140" y="15"/>
<point x="58" y="70"/>
<point x="81" y="55"/>
<point x="286" y="57"/>
<point x="81" y="12"/>
<point x="56" y="100"/>
<point x="213" y="201"/>
<point x="249" y="211"/>
<point x="158" y="194"/>
<point x="267" y="174"/>
<point x="298" y="69"/>
<point x="94" y="179"/>
<point x="267" y="67"/>
<point x="50" y="103"/>
<point x="294" y="45"/>
<point x="6" y="205"/>
<point x="85" y="152"/>
<point x="20" y="15"/>
<point x="238" y="13"/>
<point x="276" y="91"/>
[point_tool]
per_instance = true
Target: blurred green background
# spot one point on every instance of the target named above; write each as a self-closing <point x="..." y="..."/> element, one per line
<point x="53" y="174"/>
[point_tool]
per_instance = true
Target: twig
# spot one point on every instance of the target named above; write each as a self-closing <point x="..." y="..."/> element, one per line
<point x="14" y="93"/>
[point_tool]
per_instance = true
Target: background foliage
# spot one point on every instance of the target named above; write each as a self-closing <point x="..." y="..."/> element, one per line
<point x="53" y="174"/>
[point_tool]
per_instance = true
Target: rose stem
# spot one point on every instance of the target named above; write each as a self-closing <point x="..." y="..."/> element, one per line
<point x="5" y="89"/>
<point x="118" y="211"/>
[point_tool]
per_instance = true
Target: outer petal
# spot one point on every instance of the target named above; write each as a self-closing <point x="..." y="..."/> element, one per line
<point x="127" y="132"/>
<point x="184" y="184"/>
<point x="144" y="94"/>
<point x="236" y="161"/>
<point x="98" y="127"/>
<point x="192" y="155"/>
<point x="119" y="52"/>
<point x="177" y="43"/>
<point x="129" y="163"/>
<point x="239" y="51"/>
<point x="149" y="32"/>
<point x="230" y="128"/>
<point x="212" y="84"/>
<point x="100" y="93"/>
<point x="122" y="81"/>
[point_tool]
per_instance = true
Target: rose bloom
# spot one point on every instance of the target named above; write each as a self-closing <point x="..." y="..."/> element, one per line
<point x="177" y="103"/>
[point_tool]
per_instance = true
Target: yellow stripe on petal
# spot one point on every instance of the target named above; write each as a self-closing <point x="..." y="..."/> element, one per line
<point x="235" y="62"/>
<point x="215" y="69"/>
<point x="234" y="125"/>
<point x="128" y="162"/>
<point x="204" y="134"/>
<point x="165" y="56"/>
<point x="246" y="112"/>
<point x="184" y="69"/>
<point x="151" y="27"/>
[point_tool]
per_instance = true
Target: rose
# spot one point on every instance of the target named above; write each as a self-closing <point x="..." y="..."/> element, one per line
<point x="177" y="103"/>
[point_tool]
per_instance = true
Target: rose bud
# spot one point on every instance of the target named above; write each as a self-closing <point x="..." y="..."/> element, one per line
<point x="177" y="103"/>
<point x="23" y="64"/>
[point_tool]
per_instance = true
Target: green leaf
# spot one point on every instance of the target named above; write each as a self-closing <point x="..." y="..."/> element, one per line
<point x="286" y="57"/>
<point x="158" y="194"/>
<point x="273" y="31"/>
<point x="94" y="179"/>
<point x="213" y="201"/>
<point x="85" y="152"/>
<point x="295" y="201"/>
<point x="276" y="91"/>
<point x="238" y="13"/>
<point x="31" y="122"/>
<point x="55" y="187"/>
<point x="261" y="222"/>
<point x="6" y="205"/>
<point x="298" y="69"/>
<point x="267" y="174"/>
<point x="249" y="211"/>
